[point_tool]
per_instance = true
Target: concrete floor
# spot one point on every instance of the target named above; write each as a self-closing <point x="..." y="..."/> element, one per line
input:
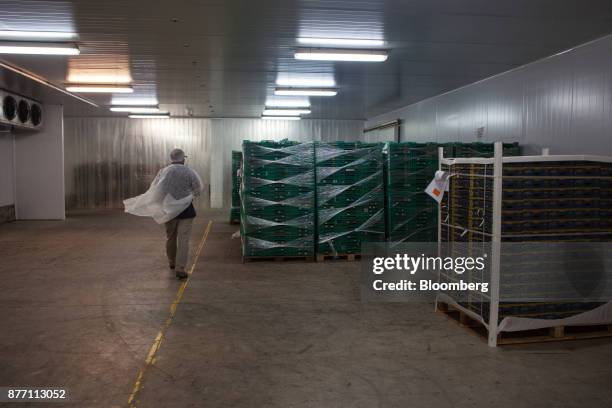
<point x="83" y="300"/>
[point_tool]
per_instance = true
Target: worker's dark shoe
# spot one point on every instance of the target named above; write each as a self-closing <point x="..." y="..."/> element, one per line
<point x="181" y="275"/>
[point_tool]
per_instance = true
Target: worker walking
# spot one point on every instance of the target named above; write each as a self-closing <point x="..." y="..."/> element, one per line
<point x="169" y="200"/>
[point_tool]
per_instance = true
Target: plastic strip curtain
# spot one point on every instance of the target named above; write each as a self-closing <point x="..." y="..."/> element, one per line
<point x="110" y="159"/>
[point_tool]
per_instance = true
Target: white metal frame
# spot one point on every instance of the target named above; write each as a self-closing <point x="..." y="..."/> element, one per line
<point x="496" y="243"/>
<point x="497" y="162"/>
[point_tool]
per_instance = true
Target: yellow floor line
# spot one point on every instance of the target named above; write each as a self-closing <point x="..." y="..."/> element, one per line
<point x="150" y="359"/>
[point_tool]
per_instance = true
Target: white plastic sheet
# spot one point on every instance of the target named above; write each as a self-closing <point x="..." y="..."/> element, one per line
<point x="438" y="185"/>
<point x="170" y="193"/>
<point x="599" y="315"/>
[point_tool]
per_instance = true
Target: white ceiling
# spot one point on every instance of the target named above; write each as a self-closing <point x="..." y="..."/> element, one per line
<point x="222" y="58"/>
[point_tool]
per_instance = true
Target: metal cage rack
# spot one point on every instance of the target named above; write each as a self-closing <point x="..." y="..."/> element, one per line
<point x="522" y="200"/>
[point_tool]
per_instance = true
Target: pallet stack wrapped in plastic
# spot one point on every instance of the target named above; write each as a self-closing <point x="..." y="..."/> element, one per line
<point x="566" y="201"/>
<point x="350" y="197"/>
<point x="236" y="165"/>
<point x="411" y="215"/>
<point x="277" y="199"/>
<point x="480" y="149"/>
<point x="545" y="206"/>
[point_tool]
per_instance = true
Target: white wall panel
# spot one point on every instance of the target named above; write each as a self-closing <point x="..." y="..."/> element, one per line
<point x="563" y="102"/>
<point x="39" y="169"/>
<point x="7" y="196"/>
<point x="381" y="135"/>
<point x="110" y="159"/>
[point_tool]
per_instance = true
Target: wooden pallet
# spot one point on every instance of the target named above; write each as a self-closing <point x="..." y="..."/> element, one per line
<point x="246" y="259"/>
<point x="338" y="257"/>
<point x="559" y="333"/>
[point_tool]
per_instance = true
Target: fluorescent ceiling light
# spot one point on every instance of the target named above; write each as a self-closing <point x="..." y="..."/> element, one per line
<point x="135" y="109"/>
<point x="288" y="103"/>
<point x="89" y="78"/>
<point x="281" y="117"/>
<point x="129" y="101"/>
<point x="37" y="48"/>
<point x="35" y="35"/>
<point x="269" y="111"/>
<point x="158" y="116"/>
<point x="306" y="91"/>
<point x="355" y="42"/>
<point x="99" y="88"/>
<point x="339" y="54"/>
<point x="316" y="80"/>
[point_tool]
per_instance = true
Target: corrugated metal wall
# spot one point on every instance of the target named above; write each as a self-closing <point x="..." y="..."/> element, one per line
<point x="110" y="159"/>
<point x="563" y="102"/>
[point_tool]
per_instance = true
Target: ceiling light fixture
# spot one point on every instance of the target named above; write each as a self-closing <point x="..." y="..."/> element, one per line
<point x="321" y="80"/>
<point x="35" y="35"/>
<point x="92" y="78"/>
<point x="302" y="103"/>
<point x="99" y="88"/>
<point x="293" y="91"/>
<point x="157" y="116"/>
<point x="281" y="117"/>
<point x="135" y="109"/>
<point x="272" y="111"/>
<point x="38" y="48"/>
<point x="340" y="54"/>
<point x="354" y="42"/>
<point x="131" y="101"/>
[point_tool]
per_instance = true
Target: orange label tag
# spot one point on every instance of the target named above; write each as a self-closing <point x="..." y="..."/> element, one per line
<point x="436" y="191"/>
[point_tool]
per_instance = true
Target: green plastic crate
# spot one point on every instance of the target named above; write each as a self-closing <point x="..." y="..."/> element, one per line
<point x="235" y="209"/>
<point x="410" y="214"/>
<point x="349" y="195"/>
<point x="277" y="199"/>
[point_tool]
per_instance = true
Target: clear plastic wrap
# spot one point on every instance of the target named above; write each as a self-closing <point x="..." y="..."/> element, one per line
<point x="551" y="215"/>
<point x="410" y="214"/>
<point x="350" y="199"/>
<point x="236" y="175"/>
<point x="170" y="193"/>
<point x="277" y="199"/>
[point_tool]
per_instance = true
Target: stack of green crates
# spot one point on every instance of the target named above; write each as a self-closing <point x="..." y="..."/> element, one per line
<point x="479" y="149"/>
<point x="350" y="198"/>
<point x="277" y="199"/>
<point x="410" y="214"/>
<point x="235" y="210"/>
